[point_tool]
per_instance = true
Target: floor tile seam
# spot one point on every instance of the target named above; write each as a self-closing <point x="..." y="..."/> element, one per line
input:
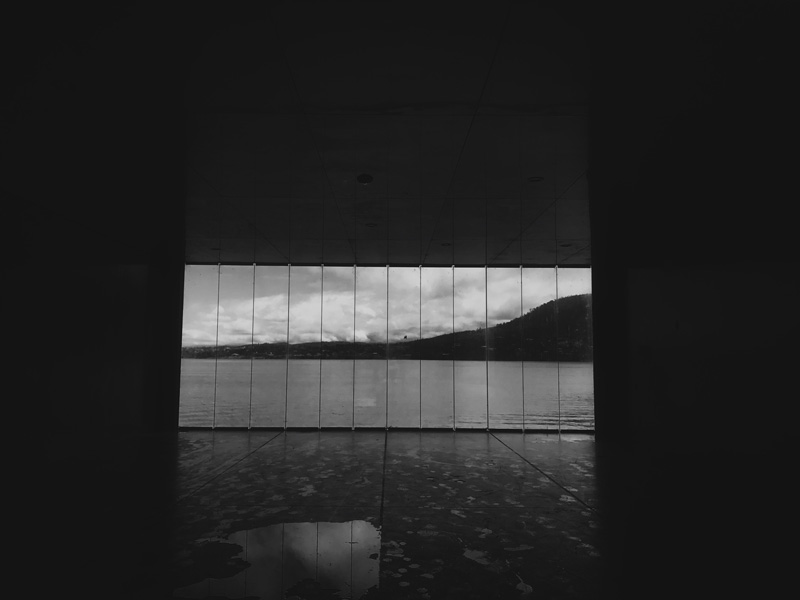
<point x="226" y="469"/>
<point x="383" y="476"/>
<point x="548" y="505"/>
<point x="233" y="460"/>
<point x="387" y="506"/>
<point x="375" y="506"/>
<point x="548" y="476"/>
<point x="390" y="506"/>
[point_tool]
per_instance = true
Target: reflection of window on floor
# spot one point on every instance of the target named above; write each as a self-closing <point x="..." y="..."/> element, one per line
<point x="280" y="346"/>
<point x="285" y="559"/>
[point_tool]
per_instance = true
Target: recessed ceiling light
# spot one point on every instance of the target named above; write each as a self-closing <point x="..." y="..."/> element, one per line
<point x="535" y="179"/>
<point x="364" y="178"/>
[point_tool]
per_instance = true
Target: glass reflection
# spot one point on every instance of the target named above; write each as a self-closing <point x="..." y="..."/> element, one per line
<point x="370" y="381"/>
<point x="300" y="552"/>
<point x="234" y="346"/>
<point x="338" y="328"/>
<point x="540" y="370"/>
<point x="469" y="348"/>
<point x="575" y="366"/>
<point x="270" y="330"/>
<point x="279" y="346"/>
<point x="403" y="347"/>
<point x="198" y="346"/>
<point x="297" y="560"/>
<point x="305" y="330"/>
<point x="436" y="348"/>
<point x="504" y="347"/>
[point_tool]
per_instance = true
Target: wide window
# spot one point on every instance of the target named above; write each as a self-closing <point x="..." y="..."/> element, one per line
<point x="419" y="347"/>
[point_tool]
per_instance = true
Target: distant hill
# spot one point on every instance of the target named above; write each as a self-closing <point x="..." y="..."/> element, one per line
<point x="557" y="330"/>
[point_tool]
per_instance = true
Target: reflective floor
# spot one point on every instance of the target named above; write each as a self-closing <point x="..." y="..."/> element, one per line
<point x="400" y="514"/>
<point x="371" y="514"/>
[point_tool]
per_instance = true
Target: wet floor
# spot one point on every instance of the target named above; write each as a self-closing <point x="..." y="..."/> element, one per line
<point x="374" y="514"/>
<point x="400" y="514"/>
<point x="290" y="559"/>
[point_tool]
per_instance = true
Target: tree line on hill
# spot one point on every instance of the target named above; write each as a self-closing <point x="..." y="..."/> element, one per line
<point x="557" y="330"/>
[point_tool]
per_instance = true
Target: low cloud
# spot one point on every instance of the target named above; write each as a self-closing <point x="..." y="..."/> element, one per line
<point x="330" y="316"/>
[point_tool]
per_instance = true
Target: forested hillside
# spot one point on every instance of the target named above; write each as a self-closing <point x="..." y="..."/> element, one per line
<point x="557" y="330"/>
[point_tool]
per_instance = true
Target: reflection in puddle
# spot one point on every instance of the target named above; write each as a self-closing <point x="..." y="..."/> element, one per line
<point x="289" y="559"/>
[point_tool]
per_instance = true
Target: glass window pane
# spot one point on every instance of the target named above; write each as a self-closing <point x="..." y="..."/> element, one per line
<point x="403" y="347"/>
<point x="305" y="323"/>
<point x="270" y="328"/>
<point x="371" y="367"/>
<point x="377" y="346"/>
<point x="540" y="372"/>
<point x="575" y="367"/>
<point x="469" y="347"/>
<point x="198" y="352"/>
<point x="234" y="346"/>
<point x="338" y="324"/>
<point x="504" y="347"/>
<point x="436" y="347"/>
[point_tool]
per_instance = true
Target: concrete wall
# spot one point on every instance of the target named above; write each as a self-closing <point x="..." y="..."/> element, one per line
<point x="711" y="352"/>
<point x="692" y="234"/>
<point x="688" y="188"/>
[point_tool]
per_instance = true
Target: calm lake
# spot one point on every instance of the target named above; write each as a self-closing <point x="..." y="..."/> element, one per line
<point x="377" y="393"/>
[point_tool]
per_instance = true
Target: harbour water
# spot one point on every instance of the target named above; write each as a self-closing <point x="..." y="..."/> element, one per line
<point x="380" y="393"/>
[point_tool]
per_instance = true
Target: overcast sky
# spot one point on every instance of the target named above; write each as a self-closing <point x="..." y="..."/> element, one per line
<point x="238" y="305"/>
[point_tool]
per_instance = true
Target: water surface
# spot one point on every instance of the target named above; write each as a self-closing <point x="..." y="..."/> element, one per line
<point x="380" y="393"/>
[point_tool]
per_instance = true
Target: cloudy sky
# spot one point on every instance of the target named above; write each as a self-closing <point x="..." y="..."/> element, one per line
<point x="240" y="304"/>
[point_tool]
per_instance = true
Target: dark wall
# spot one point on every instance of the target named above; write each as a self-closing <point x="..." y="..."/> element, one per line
<point x="694" y="256"/>
<point x="694" y="270"/>
<point x="688" y="188"/>
<point x="93" y="151"/>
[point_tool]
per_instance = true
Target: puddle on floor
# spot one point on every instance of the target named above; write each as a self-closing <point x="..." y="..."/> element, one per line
<point x="336" y="560"/>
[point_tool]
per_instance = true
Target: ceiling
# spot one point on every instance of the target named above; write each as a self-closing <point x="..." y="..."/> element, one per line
<point x="471" y="124"/>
